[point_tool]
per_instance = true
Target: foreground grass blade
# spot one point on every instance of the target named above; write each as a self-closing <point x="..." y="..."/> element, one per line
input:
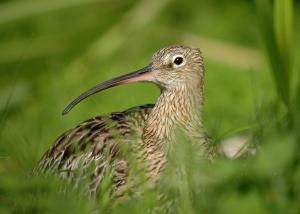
<point x="276" y="30"/>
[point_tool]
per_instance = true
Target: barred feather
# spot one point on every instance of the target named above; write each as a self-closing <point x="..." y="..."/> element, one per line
<point x="96" y="142"/>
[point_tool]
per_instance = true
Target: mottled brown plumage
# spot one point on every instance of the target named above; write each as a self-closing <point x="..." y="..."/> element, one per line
<point x="147" y="132"/>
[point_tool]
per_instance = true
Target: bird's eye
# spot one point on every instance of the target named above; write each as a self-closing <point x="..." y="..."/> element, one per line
<point x="178" y="60"/>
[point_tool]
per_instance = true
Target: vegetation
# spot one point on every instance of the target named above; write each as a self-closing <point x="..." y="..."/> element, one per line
<point x="52" y="50"/>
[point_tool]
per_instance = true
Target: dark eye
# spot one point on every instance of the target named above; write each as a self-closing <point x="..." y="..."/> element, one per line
<point x="178" y="60"/>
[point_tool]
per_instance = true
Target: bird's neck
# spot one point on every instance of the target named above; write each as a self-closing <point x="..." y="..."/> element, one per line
<point x="181" y="107"/>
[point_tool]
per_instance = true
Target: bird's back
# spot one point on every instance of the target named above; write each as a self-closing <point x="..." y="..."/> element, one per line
<point x="89" y="149"/>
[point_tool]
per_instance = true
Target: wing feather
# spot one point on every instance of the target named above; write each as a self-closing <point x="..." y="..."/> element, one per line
<point x="92" y="145"/>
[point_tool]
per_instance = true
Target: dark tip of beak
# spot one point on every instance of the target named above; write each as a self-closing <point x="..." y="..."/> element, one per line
<point x="142" y="75"/>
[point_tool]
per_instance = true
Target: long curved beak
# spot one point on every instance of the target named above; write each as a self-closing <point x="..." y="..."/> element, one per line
<point x="143" y="75"/>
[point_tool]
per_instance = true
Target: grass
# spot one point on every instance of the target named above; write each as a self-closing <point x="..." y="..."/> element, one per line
<point x="49" y="55"/>
<point x="277" y="30"/>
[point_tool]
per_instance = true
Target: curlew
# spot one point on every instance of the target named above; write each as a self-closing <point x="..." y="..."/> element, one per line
<point x="91" y="147"/>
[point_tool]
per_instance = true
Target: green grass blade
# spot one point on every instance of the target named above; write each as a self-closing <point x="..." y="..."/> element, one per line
<point x="276" y="29"/>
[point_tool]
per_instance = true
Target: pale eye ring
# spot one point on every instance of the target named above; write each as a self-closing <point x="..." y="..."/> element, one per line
<point x="178" y="60"/>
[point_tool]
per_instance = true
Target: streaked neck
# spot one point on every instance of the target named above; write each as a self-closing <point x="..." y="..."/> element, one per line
<point x="179" y="106"/>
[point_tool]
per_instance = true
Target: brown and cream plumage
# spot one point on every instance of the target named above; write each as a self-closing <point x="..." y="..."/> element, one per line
<point x="146" y="131"/>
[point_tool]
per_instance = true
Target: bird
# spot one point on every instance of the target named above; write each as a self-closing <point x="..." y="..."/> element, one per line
<point x="96" y="145"/>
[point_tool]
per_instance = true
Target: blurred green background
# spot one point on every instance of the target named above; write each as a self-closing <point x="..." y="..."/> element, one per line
<point x="52" y="50"/>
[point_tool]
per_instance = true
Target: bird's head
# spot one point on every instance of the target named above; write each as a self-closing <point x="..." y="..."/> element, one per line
<point x="175" y="66"/>
<point x="170" y="67"/>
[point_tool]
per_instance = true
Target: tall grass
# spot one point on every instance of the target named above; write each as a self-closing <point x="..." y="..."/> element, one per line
<point x="276" y="25"/>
